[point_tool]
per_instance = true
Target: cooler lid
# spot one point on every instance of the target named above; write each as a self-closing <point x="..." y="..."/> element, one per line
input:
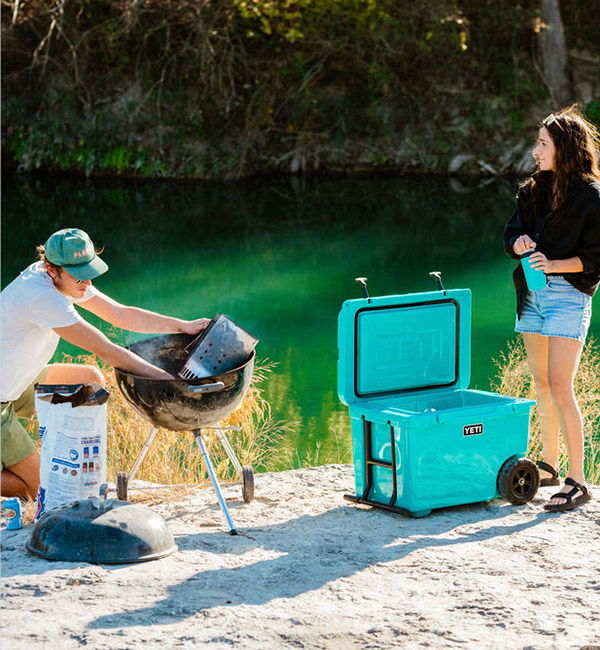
<point x="393" y="345"/>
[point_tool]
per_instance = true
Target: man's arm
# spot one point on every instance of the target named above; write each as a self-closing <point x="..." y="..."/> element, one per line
<point x="89" y="338"/>
<point x="135" y="319"/>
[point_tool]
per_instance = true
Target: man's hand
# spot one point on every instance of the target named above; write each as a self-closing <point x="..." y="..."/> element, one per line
<point x="194" y="326"/>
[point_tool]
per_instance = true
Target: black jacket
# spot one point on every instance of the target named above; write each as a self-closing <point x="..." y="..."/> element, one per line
<point x="576" y="233"/>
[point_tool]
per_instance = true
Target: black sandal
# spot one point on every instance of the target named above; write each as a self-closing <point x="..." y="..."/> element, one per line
<point x="570" y="503"/>
<point x="554" y="477"/>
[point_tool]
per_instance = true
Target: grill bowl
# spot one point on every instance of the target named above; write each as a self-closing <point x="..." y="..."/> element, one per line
<point x="173" y="403"/>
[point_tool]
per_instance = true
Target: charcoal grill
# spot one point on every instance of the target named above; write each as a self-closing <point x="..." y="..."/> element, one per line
<point x="186" y="405"/>
<point x="421" y="439"/>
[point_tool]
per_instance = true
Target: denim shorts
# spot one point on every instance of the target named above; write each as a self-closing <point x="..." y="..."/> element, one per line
<point x="558" y="309"/>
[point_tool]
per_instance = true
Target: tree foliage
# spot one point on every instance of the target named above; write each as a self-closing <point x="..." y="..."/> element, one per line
<point x="213" y="88"/>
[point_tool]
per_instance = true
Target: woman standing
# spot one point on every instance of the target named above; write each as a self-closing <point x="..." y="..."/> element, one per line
<point x="558" y="215"/>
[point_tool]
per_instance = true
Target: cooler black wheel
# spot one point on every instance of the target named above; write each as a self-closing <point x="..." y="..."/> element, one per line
<point x="122" y="479"/>
<point x="518" y="480"/>
<point x="247" y="483"/>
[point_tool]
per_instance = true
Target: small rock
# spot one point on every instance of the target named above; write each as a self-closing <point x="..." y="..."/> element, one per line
<point x="458" y="161"/>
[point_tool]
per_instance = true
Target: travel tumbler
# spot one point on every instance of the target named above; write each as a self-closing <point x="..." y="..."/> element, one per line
<point x="11" y="510"/>
<point x="535" y="278"/>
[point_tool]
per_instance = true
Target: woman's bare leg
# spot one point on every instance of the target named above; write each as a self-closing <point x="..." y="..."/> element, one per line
<point x="563" y="360"/>
<point x="537" y="347"/>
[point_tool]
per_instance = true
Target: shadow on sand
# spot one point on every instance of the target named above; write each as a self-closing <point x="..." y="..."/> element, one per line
<point x="314" y="550"/>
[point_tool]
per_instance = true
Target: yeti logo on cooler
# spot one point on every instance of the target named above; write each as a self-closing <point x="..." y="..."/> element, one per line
<point x="472" y="429"/>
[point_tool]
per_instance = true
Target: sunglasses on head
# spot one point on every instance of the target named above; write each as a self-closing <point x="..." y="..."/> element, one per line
<point x="552" y="119"/>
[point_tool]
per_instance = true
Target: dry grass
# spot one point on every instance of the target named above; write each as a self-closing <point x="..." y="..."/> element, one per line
<point x="174" y="457"/>
<point x="338" y="450"/>
<point x="514" y="378"/>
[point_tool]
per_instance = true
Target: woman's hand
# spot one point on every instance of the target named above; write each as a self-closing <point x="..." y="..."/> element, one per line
<point x="540" y="262"/>
<point x="194" y="326"/>
<point x="522" y="244"/>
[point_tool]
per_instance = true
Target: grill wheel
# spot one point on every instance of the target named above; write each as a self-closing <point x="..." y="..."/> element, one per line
<point x="122" y="486"/>
<point x="247" y="483"/>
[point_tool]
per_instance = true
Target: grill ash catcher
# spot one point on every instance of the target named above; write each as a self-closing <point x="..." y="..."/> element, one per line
<point x="217" y="368"/>
<point x="421" y="439"/>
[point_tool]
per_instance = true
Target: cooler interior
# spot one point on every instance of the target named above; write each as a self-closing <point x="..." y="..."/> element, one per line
<point x="438" y="401"/>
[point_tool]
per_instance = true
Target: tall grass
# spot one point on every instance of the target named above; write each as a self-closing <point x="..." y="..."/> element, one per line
<point x="514" y="378"/>
<point x="174" y="457"/>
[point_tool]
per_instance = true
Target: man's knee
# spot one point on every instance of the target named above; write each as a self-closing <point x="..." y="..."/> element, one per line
<point x="74" y="373"/>
<point x="94" y="376"/>
<point x="22" y="478"/>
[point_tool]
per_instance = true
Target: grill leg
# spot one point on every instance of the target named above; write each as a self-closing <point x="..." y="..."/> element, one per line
<point x="143" y="451"/>
<point x="229" y="450"/>
<point x="214" y="481"/>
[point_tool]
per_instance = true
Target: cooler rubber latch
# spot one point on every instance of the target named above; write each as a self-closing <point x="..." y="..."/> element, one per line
<point x="363" y="283"/>
<point x="437" y="275"/>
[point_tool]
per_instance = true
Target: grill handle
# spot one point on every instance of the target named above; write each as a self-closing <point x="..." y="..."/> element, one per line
<point x="207" y="388"/>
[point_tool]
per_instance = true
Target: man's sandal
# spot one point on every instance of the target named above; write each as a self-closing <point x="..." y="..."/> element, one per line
<point x="554" y="477"/>
<point x="570" y="502"/>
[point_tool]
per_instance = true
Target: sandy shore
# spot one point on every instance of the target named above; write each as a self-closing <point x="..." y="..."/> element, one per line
<point x="310" y="570"/>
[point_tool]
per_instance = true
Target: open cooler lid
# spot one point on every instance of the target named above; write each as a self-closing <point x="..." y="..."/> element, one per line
<point x="393" y="345"/>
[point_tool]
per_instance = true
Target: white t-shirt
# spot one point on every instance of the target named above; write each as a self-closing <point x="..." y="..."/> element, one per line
<point x="30" y="307"/>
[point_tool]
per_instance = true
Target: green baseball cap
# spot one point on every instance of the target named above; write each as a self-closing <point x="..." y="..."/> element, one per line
<point x="73" y="249"/>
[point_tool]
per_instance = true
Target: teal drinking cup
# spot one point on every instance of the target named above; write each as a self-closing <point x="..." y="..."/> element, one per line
<point x="535" y="278"/>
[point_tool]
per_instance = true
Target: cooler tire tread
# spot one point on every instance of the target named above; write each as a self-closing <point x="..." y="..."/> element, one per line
<point x="518" y="480"/>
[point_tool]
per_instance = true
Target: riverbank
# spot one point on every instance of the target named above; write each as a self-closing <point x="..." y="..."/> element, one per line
<point x="310" y="570"/>
<point x="229" y="90"/>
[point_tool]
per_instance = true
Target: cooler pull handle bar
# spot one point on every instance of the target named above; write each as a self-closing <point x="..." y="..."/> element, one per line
<point x="438" y="279"/>
<point x="368" y="458"/>
<point x="394" y="467"/>
<point x="370" y="462"/>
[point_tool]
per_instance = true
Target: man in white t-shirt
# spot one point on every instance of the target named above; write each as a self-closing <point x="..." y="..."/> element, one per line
<point x="37" y="310"/>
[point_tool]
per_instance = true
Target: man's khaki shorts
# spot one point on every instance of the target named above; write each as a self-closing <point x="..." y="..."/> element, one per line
<point x="16" y="442"/>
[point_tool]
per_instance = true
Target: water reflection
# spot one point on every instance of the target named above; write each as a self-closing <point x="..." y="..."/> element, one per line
<point x="279" y="256"/>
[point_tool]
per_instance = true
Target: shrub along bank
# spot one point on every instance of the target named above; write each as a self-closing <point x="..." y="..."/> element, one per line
<point x="224" y="88"/>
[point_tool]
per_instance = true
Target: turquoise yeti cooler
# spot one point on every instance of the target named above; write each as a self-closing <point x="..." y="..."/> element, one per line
<point x="420" y="438"/>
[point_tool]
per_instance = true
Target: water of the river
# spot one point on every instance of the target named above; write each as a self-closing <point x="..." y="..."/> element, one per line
<point x="279" y="256"/>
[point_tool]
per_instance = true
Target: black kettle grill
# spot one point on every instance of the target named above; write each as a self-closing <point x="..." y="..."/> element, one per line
<point x="185" y="405"/>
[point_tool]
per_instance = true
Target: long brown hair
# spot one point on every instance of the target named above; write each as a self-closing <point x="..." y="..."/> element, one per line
<point x="577" y="142"/>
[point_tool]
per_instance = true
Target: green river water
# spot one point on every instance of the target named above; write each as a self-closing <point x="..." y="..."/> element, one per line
<point x="279" y="256"/>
